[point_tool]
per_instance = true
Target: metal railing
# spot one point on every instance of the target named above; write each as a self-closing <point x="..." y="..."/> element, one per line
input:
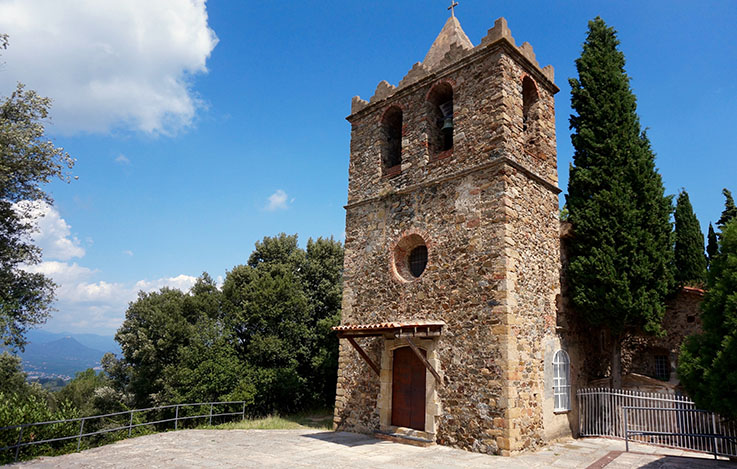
<point x="22" y="428"/>
<point x="654" y="418"/>
<point x="704" y="434"/>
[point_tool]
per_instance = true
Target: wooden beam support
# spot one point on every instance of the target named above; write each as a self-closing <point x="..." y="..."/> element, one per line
<point x="424" y="360"/>
<point x="364" y="356"/>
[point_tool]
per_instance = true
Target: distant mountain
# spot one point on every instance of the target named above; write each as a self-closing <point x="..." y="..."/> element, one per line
<point x="105" y="343"/>
<point x="60" y="358"/>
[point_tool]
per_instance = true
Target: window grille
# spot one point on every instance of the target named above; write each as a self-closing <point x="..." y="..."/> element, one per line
<point x="662" y="367"/>
<point x="418" y="260"/>
<point x="561" y="381"/>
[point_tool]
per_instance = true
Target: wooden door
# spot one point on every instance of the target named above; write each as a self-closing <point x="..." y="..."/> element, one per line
<point x="408" y="390"/>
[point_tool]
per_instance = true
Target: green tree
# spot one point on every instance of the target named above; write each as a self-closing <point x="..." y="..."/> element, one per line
<point x="730" y="210"/>
<point x="621" y="256"/>
<point x="150" y="338"/>
<point x="690" y="260"/>
<point x="712" y="246"/>
<point x="269" y="312"/>
<point x="281" y="306"/>
<point x="12" y="378"/>
<point x="28" y="159"/>
<point x="83" y="392"/>
<point x="323" y="282"/>
<point x="165" y="335"/>
<point x="707" y="365"/>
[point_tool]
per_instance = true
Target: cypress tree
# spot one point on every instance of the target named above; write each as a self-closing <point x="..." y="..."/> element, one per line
<point x="707" y="365"/>
<point x="712" y="246"/>
<point x="621" y="255"/>
<point x="730" y="211"/>
<point x="690" y="259"/>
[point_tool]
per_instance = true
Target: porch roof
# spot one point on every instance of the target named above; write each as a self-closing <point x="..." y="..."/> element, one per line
<point x="396" y="329"/>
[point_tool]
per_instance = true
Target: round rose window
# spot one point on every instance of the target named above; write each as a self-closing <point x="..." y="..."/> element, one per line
<point x="410" y="257"/>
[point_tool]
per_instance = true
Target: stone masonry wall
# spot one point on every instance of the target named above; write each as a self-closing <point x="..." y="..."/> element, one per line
<point x="487" y="211"/>
<point x="460" y="286"/>
<point x="533" y="245"/>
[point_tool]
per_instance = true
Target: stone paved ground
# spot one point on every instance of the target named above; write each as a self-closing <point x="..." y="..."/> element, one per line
<point x="326" y="450"/>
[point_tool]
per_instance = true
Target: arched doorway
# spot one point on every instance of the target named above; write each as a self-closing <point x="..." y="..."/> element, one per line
<point x="408" y="389"/>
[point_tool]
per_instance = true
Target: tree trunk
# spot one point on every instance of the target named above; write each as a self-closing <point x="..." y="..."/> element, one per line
<point x="616" y="363"/>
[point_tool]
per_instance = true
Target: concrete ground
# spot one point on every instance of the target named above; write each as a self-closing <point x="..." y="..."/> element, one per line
<point x="325" y="450"/>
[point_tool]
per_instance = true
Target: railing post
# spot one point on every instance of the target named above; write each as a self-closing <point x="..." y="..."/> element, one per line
<point x="243" y="417"/>
<point x="578" y="400"/>
<point x="17" y="447"/>
<point x="130" y="424"/>
<point x="210" y="413"/>
<point x="81" y="430"/>
<point x="176" y="418"/>
<point x="626" y="431"/>
<point x="714" y="431"/>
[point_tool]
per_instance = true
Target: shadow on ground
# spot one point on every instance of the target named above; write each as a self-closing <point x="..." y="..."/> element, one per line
<point x="343" y="438"/>
<point x="682" y="462"/>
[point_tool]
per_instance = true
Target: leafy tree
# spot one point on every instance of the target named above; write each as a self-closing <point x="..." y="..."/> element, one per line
<point x="12" y="378"/>
<point x="622" y="251"/>
<point x="323" y="282"/>
<point x="281" y="306"/>
<point x="690" y="260"/>
<point x="208" y="369"/>
<point x="730" y="210"/>
<point x="28" y="159"/>
<point x="264" y="339"/>
<point x="150" y="337"/>
<point x="269" y="313"/>
<point x="708" y="362"/>
<point x="87" y="393"/>
<point x="712" y="246"/>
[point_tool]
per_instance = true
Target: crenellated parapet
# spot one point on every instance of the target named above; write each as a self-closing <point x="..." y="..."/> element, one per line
<point x="383" y="90"/>
<point x="498" y="32"/>
<point x="451" y="47"/>
<point x="358" y="104"/>
<point x="415" y="74"/>
<point x="454" y="54"/>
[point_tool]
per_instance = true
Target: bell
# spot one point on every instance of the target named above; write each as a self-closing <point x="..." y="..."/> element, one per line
<point x="447" y="123"/>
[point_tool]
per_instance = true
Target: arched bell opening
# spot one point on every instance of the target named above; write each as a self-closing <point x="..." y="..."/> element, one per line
<point x="440" y="119"/>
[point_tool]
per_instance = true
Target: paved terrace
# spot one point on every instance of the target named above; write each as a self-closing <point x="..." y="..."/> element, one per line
<point x="325" y="450"/>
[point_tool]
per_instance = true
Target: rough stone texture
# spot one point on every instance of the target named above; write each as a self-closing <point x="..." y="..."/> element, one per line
<point x="488" y="212"/>
<point x="682" y="318"/>
<point x="450" y="35"/>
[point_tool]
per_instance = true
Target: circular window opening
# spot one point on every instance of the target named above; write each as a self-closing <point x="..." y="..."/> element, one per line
<point x="410" y="257"/>
<point x="417" y="260"/>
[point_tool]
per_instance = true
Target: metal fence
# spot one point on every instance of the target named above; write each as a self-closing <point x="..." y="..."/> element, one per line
<point x="117" y="422"/>
<point x="654" y="418"/>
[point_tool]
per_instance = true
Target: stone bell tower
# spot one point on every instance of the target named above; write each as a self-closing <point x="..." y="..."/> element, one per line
<point x="452" y="251"/>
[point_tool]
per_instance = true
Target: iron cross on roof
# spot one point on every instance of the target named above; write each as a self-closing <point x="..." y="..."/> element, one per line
<point x="452" y="7"/>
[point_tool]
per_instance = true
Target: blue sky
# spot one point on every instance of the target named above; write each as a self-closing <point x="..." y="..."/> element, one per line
<point x="200" y="128"/>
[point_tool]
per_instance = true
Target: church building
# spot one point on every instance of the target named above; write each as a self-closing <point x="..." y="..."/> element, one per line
<point x="449" y="332"/>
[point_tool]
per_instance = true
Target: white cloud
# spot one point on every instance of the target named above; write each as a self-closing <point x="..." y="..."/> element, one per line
<point x="182" y="282"/>
<point x="53" y="234"/>
<point x="85" y="304"/>
<point x="122" y="159"/>
<point x="109" y="64"/>
<point x="277" y="201"/>
<point x="128" y="252"/>
<point x="84" y="301"/>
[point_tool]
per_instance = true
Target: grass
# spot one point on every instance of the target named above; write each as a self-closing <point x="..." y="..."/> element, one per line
<point x="317" y="420"/>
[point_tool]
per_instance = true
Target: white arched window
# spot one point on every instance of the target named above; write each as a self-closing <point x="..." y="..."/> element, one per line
<point x="561" y="381"/>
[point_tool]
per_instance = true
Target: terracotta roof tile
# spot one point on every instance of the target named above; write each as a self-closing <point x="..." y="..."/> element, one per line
<point x="387" y="325"/>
